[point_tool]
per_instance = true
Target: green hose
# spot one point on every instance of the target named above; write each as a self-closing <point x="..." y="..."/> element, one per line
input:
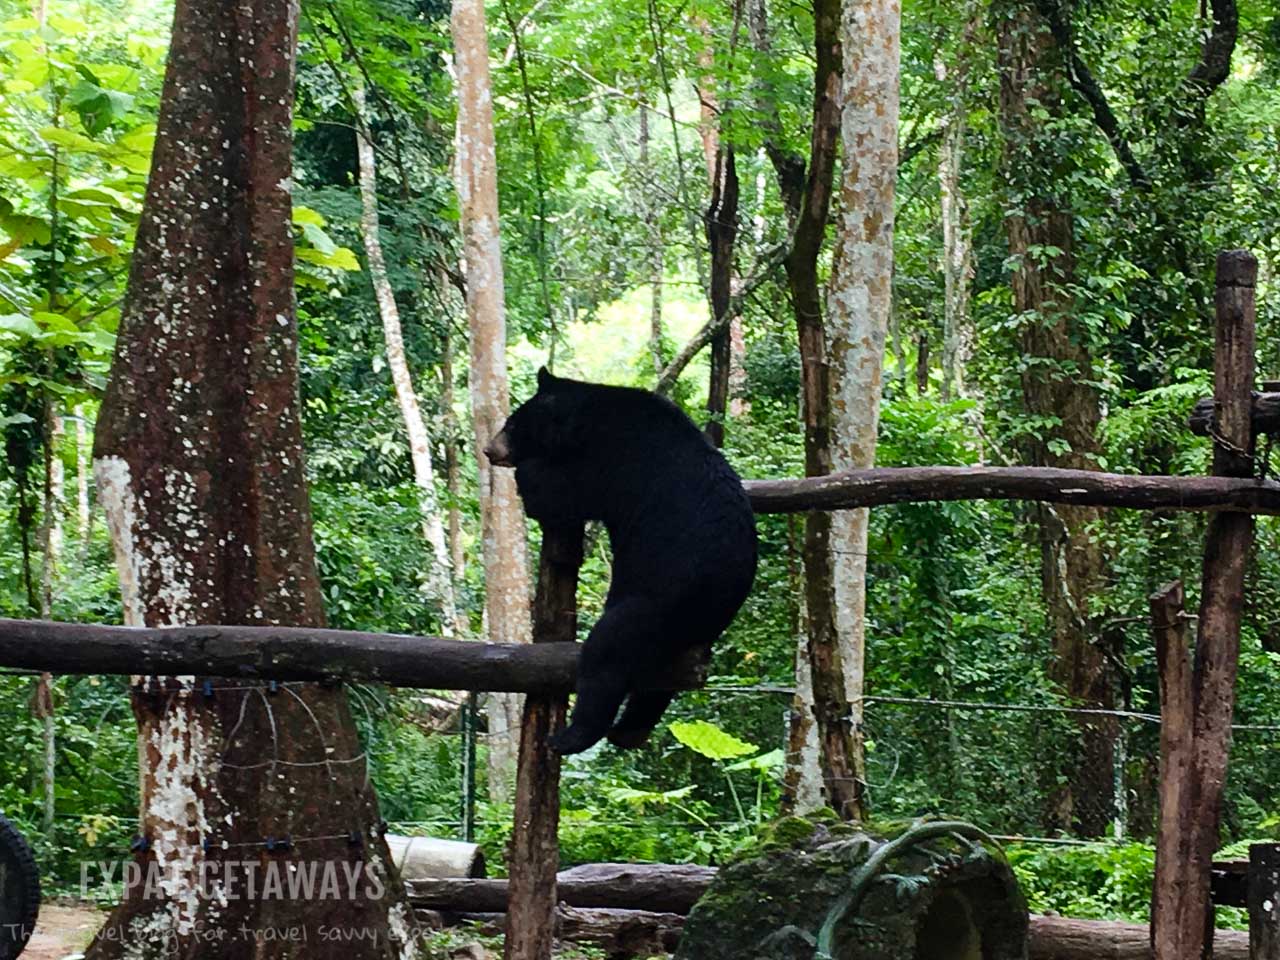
<point x="918" y="832"/>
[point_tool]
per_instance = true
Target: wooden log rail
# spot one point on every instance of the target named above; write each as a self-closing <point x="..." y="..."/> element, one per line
<point x="884" y="485"/>
<point x="299" y="653"/>
<point x="287" y="653"/>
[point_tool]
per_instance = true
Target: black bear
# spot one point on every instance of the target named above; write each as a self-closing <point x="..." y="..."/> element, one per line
<point x="680" y="525"/>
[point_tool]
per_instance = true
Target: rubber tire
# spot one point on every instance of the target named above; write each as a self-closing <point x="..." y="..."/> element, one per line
<point x="19" y="891"/>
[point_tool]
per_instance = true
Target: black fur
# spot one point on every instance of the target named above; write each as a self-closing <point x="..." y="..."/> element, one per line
<point x="681" y="528"/>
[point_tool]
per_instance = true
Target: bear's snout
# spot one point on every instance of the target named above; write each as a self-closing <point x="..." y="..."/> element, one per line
<point x="498" y="450"/>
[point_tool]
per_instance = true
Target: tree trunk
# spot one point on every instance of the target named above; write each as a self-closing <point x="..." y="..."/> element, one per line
<point x="1058" y="388"/>
<point x="957" y="250"/>
<point x="452" y="469"/>
<point x="199" y="467"/>
<point x="83" y="515"/>
<point x="830" y="708"/>
<point x="806" y="195"/>
<point x="439" y="579"/>
<point x="51" y="511"/>
<point x="653" y="232"/>
<point x="861" y="296"/>
<point x="722" y="231"/>
<point x="502" y="520"/>
<point x="50" y="552"/>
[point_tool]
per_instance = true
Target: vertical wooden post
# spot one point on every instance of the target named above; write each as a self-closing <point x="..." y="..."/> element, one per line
<point x="1194" y="764"/>
<point x="1264" y="901"/>
<point x="535" y="852"/>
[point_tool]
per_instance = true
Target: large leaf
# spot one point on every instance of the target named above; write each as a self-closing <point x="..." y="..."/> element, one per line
<point x="710" y="741"/>
<point x="19" y="325"/>
<point x="765" y="762"/>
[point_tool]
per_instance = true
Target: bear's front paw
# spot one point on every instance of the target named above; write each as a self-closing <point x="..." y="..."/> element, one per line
<point x="572" y="739"/>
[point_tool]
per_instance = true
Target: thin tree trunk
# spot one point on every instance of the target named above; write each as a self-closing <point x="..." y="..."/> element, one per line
<point x="861" y="296"/>
<point x="50" y="552"/>
<point x="1058" y="385"/>
<point x="452" y="462"/>
<point x="502" y="520"/>
<point x="722" y="231"/>
<point x="657" y="255"/>
<point x="957" y="250"/>
<point x="83" y="514"/>
<point x="199" y="467"/>
<point x="439" y="579"/>
<point x="51" y="521"/>
<point x="805" y="189"/>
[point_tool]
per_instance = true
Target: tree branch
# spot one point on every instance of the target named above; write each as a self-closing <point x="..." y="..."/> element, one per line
<point x="767" y="265"/>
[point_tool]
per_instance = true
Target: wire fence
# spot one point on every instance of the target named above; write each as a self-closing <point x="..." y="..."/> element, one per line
<point x="1045" y="772"/>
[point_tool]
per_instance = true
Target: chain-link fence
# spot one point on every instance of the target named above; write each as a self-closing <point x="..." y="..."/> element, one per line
<point x="1046" y="771"/>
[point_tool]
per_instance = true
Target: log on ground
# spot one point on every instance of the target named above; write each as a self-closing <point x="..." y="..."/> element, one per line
<point x="1056" y="938"/>
<point x="659" y="888"/>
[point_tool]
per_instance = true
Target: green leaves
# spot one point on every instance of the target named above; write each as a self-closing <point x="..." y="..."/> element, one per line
<point x="99" y="107"/>
<point x="709" y="740"/>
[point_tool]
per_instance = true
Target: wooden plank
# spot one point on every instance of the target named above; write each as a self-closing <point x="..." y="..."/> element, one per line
<point x="534" y="849"/>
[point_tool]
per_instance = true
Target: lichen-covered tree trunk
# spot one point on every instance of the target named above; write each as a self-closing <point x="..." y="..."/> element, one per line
<point x="1058" y="384"/>
<point x="860" y="301"/>
<point x="439" y="579"/>
<point x="199" y="468"/>
<point x="502" y="519"/>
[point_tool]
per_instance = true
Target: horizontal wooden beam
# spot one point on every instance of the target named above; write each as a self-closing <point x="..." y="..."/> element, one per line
<point x="1264" y="417"/>
<point x="885" y="485"/>
<point x="296" y="653"/>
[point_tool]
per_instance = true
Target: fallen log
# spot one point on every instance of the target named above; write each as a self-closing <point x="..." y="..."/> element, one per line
<point x="298" y="653"/>
<point x="885" y="485"/>
<point x="659" y="888"/>
<point x="1056" y="938"/>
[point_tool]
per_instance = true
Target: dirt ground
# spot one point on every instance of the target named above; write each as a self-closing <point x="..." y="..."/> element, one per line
<point x="63" y="931"/>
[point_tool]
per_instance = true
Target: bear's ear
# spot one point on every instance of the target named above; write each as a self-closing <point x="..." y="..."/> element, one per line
<point x="546" y="378"/>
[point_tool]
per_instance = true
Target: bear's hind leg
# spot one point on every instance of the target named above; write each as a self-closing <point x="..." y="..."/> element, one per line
<point x="642" y="714"/>
<point x="607" y="666"/>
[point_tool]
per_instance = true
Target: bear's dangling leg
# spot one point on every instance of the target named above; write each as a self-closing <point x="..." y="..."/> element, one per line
<point x="642" y="714"/>
<point x="607" y="666"/>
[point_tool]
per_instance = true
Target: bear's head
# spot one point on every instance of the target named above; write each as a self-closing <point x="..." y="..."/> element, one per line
<point x="546" y="425"/>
